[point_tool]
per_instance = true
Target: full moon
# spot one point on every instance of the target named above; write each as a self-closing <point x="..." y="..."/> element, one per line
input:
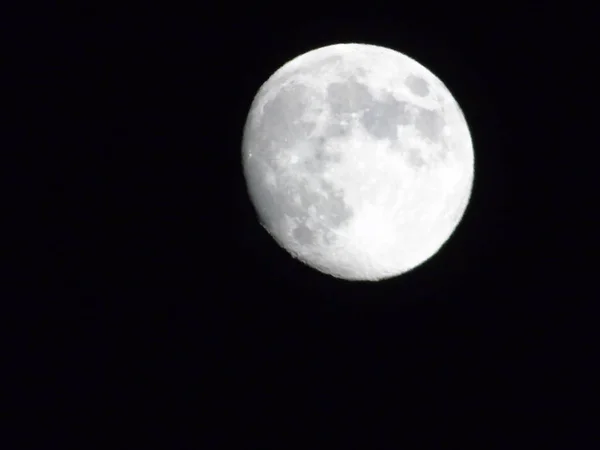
<point x="358" y="161"/>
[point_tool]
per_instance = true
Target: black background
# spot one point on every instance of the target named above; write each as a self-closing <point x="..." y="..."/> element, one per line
<point x="155" y="304"/>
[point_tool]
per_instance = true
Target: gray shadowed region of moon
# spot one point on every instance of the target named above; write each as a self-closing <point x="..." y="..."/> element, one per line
<point x="357" y="160"/>
<point x="294" y="195"/>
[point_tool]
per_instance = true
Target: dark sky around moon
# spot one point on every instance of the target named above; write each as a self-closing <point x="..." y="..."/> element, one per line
<point x="150" y="291"/>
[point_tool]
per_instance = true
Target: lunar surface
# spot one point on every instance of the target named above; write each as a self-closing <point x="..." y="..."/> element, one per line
<point x="358" y="160"/>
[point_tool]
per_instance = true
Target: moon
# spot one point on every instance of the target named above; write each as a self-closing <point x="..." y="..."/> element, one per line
<point x="358" y="161"/>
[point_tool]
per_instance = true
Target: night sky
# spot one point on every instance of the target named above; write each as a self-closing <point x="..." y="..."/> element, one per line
<point x="152" y="296"/>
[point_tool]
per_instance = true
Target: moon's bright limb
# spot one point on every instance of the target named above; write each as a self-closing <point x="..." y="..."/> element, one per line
<point x="358" y="160"/>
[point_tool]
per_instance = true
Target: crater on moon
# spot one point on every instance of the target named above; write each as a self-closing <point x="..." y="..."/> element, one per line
<point x="417" y="85"/>
<point x="304" y="235"/>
